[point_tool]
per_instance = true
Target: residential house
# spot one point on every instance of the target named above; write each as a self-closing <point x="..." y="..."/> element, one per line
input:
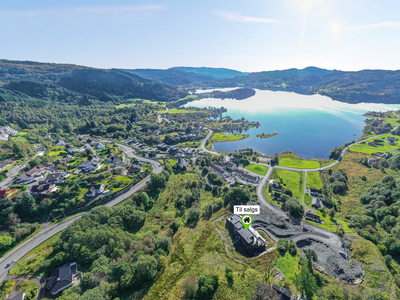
<point x="313" y="217"/>
<point x="134" y="169"/>
<point x="3" y="135"/>
<point x="162" y="147"/>
<point x="252" y="241"/>
<point x="231" y="166"/>
<point x="182" y="163"/>
<point x="315" y="193"/>
<point x="173" y="150"/>
<point x="326" y="200"/>
<point x="43" y="189"/>
<point x="114" y="158"/>
<point x="8" y="130"/>
<point x="277" y="195"/>
<point x="276" y="187"/>
<point x="62" y="278"/>
<point x="372" y="161"/>
<point x="100" y="146"/>
<point x="31" y="174"/>
<point x="47" y="135"/>
<point x="63" y="162"/>
<point x="18" y="296"/>
<point x="2" y="166"/>
<point x="238" y="172"/>
<point x="283" y="293"/>
<point x="54" y="177"/>
<point x="61" y="143"/>
<point x="95" y="190"/>
<point x="217" y="169"/>
<point x="4" y="193"/>
<point x="68" y="156"/>
<point x="250" y="178"/>
<point x="119" y="171"/>
<point x="315" y="203"/>
<point x="70" y="148"/>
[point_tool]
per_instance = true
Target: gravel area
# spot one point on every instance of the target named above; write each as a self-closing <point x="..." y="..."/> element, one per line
<point x="277" y="225"/>
<point x="330" y="259"/>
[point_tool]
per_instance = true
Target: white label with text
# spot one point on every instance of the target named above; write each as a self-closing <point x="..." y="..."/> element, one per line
<point x="247" y="209"/>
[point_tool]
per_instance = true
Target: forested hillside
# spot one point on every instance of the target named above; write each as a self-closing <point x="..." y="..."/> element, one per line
<point x="78" y="84"/>
<point x="363" y="86"/>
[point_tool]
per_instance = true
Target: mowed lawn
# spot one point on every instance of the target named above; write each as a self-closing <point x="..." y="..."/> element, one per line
<point x="384" y="147"/>
<point x="298" y="163"/>
<point x="258" y="169"/>
<point x="179" y="111"/>
<point x="291" y="180"/>
<point x="228" y="137"/>
<point x="313" y="180"/>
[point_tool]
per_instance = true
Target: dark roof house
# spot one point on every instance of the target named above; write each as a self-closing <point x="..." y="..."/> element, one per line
<point x="61" y="278"/>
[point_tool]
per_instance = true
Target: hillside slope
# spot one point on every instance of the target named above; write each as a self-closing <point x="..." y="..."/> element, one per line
<point x="353" y="87"/>
<point x="58" y="81"/>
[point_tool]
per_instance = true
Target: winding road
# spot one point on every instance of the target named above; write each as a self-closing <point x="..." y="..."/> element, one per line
<point x="49" y="230"/>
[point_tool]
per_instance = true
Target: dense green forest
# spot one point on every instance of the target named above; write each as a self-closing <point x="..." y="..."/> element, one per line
<point x="78" y="84"/>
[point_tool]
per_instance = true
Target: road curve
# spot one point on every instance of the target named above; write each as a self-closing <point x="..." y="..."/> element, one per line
<point x="203" y="143"/>
<point x="48" y="231"/>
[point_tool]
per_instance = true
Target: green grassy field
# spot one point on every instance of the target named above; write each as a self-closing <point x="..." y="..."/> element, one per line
<point x="288" y="265"/>
<point x="29" y="264"/>
<point x="291" y="180"/>
<point x="258" y="169"/>
<point x="178" y="111"/>
<point x="313" y="180"/>
<point x="386" y="147"/>
<point x="220" y="137"/>
<point x="298" y="163"/>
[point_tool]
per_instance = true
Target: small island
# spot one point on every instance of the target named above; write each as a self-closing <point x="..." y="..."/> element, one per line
<point x="266" y="135"/>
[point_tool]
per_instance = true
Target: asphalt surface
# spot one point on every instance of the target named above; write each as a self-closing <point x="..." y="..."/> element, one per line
<point x="50" y="230"/>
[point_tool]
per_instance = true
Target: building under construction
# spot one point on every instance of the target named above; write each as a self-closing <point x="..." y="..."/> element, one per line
<point x="250" y="239"/>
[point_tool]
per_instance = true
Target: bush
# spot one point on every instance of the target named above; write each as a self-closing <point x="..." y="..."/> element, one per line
<point x="282" y="245"/>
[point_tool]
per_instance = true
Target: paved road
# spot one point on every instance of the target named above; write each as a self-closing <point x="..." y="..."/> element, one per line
<point x="50" y="230"/>
<point x="11" y="177"/>
<point x="203" y="143"/>
<point x="304" y="193"/>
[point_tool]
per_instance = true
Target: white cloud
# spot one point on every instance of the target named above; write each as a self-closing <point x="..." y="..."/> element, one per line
<point x="234" y="16"/>
<point x="380" y="25"/>
<point x="84" y="10"/>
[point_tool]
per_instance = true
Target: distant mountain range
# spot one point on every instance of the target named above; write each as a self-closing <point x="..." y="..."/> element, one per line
<point x="84" y="85"/>
<point x="187" y="75"/>
<point x="381" y="86"/>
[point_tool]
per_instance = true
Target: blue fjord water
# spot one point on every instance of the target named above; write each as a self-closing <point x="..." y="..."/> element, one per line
<point x="309" y="125"/>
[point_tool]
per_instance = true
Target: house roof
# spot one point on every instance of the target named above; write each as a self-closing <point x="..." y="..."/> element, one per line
<point x="61" y="277"/>
<point x="311" y="215"/>
<point x="3" y="192"/>
<point x="41" y="188"/>
<point x="18" y="296"/>
<point x="52" y="176"/>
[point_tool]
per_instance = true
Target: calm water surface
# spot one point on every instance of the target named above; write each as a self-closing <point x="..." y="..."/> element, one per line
<point x="311" y="126"/>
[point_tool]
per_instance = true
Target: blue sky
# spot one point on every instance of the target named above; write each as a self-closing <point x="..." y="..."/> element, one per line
<point x="245" y="35"/>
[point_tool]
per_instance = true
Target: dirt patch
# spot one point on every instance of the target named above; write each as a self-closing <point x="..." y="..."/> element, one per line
<point x="331" y="260"/>
<point x="277" y="225"/>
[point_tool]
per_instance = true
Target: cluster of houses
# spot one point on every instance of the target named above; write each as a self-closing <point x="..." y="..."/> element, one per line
<point x="250" y="239"/>
<point x="6" y="131"/>
<point x="222" y="168"/>
<point x="276" y="188"/>
<point x="318" y="198"/>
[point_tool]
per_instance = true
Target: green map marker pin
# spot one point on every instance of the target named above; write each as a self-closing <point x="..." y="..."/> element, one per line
<point x="246" y="221"/>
